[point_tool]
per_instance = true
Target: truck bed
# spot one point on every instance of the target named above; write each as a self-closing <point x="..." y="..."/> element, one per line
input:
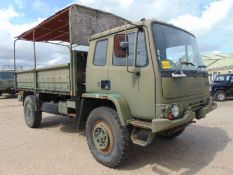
<point x="53" y="79"/>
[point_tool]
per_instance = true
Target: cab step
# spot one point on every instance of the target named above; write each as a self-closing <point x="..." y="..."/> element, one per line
<point x="142" y="134"/>
<point x="140" y="124"/>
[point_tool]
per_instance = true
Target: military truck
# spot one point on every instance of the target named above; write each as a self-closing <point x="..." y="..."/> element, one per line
<point x="137" y="80"/>
<point x="7" y="82"/>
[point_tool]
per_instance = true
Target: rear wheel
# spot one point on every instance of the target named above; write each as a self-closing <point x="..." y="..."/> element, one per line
<point x="220" y="95"/>
<point x="108" y="140"/>
<point x="31" y="116"/>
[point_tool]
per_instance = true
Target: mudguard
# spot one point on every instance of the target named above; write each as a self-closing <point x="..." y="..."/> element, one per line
<point x="119" y="102"/>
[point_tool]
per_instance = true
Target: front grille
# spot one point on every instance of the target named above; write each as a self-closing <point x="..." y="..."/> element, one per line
<point x="197" y="105"/>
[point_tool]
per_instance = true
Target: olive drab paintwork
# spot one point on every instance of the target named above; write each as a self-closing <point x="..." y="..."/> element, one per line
<point x="7" y="84"/>
<point x="143" y="96"/>
<point x="136" y="90"/>
<point x="120" y="103"/>
<point x="54" y="79"/>
<point x="148" y="95"/>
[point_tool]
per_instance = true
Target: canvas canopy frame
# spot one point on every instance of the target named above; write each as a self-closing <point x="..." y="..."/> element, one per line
<point x="70" y="27"/>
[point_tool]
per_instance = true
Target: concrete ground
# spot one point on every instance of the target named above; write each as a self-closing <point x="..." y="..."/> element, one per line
<point x="57" y="149"/>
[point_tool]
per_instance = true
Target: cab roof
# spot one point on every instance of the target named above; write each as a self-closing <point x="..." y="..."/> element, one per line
<point x="130" y="25"/>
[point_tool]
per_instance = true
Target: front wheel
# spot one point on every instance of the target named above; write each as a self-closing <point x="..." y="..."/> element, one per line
<point x="220" y="95"/>
<point x="31" y="116"/>
<point x="107" y="139"/>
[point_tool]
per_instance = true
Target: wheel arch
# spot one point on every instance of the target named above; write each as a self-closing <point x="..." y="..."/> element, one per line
<point x="23" y="94"/>
<point x="216" y="89"/>
<point x="92" y="100"/>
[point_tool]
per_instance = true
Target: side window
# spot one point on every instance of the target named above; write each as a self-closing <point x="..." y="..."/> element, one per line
<point x="141" y="50"/>
<point x="227" y="78"/>
<point x="232" y="79"/>
<point x="119" y="60"/>
<point x="101" y="50"/>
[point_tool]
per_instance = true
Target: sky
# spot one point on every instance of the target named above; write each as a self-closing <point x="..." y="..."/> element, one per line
<point x="210" y="20"/>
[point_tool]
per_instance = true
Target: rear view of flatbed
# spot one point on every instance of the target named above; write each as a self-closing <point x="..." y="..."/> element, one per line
<point x="7" y="84"/>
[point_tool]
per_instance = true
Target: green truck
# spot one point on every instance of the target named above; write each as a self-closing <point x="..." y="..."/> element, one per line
<point x="136" y="81"/>
<point x="7" y="82"/>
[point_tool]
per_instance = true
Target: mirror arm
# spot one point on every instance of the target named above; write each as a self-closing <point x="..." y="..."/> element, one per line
<point x="126" y="51"/>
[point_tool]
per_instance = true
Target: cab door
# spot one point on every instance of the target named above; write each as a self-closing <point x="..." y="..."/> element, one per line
<point x="97" y="66"/>
<point x="133" y="79"/>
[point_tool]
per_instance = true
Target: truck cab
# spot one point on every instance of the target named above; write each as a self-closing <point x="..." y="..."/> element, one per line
<point x="161" y="71"/>
<point x="157" y="71"/>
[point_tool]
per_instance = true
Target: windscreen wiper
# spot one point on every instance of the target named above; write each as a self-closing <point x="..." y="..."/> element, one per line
<point x="205" y="73"/>
<point x="181" y="74"/>
<point x="200" y="67"/>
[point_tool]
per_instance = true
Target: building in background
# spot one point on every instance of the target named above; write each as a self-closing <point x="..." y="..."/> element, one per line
<point x="218" y="64"/>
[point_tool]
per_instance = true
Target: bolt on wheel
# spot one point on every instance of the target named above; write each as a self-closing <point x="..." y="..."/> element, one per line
<point x="28" y="113"/>
<point x="102" y="136"/>
<point x="107" y="139"/>
<point x="221" y="96"/>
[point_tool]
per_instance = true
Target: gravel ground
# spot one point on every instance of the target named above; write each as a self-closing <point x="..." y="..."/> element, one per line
<point x="57" y="149"/>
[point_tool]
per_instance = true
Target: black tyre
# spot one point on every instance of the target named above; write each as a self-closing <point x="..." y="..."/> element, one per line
<point x="50" y="107"/>
<point x="172" y="133"/>
<point x="31" y="116"/>
<point x="220" y="96"/>
<point x="107" y="139"/>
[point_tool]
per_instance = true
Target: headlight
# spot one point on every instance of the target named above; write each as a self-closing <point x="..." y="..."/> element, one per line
<point x="175" y="111"/>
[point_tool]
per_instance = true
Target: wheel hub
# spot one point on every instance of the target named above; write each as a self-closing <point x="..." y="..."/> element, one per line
<point x="28" y="113"/>
<point x="221" y="96"/>
<point x="102" y="137"/>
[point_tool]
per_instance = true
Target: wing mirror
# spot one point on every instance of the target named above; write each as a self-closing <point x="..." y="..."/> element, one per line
<point x="124" y="45"/>
<point x="120" y="46"/>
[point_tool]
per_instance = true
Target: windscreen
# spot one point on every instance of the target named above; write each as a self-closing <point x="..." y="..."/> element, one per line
<point x="222" y="78"/>
<point x="175" y="46"/>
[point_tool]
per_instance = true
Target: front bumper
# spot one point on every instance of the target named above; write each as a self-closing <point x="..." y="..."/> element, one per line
<point x="162" y="124"/>
<point x="205" y="110"/>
